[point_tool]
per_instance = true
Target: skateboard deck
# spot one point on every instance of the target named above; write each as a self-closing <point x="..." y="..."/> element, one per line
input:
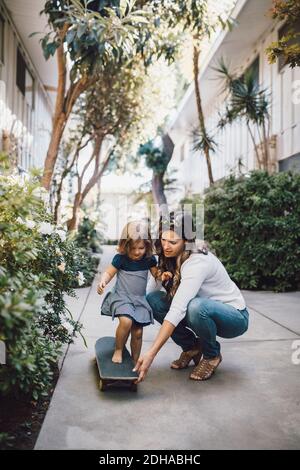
<point x="111" y="373"/>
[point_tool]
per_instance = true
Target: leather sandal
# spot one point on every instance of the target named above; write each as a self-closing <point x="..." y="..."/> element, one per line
<point x="205" y="369"/>
<point x="186" y="357"/>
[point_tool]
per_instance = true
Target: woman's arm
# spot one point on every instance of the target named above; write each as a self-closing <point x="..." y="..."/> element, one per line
<point x="193" y="274"/>
<point x="144" y="362"/>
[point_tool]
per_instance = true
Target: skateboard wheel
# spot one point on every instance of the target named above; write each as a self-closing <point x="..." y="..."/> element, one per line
<point x="102" y="385"/>
<point x="133" y="387"/>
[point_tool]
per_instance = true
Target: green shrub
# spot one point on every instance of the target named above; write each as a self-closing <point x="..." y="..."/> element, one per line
<point x="88" y="241"/>
<point x="111" y="242"/>
<point x="253" y="224"/>
<point x="87" y="264"/>
<point x="30" y="355"/>
<point x="88" y="237"/>
<point x="6" y="441"/>
<point x="194" y="204"/>
<point x="39" y="265"/>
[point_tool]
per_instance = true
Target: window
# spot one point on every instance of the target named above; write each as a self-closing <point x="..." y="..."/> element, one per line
<point x="29" y="87"/>
<point x="254" y="67"/>
<point x="21" y="70"/>
<point x="25" y="81"/>
<point x="2" y="24"/>
<point x="284" y="31"/>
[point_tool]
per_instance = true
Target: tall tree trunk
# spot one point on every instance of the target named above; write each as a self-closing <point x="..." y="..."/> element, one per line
<point x="254" y="145"/>
<point x="196" y="53"/>
<point x="82" y="193"/>
<point x="58" y="201"/>
<point x="97" y="173"/>
<point x="266" y="148"/>
<point x="56" y="136"/>
<point x="63" y="107"/>
<point x="79" y="198"/>
<point x="158" y="189"/>
<point x="158" y="186"/>
<point x="98" y="200"/>
<point x="65" y="173"/>
<point x="73" y="222"/>
<point x="58" y="122"/>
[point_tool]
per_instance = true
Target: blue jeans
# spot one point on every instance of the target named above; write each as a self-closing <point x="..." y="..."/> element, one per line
<point x="206" y="318"/>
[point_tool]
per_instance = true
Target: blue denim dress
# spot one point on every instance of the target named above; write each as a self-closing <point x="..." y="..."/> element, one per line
<point x="128" y="296"/>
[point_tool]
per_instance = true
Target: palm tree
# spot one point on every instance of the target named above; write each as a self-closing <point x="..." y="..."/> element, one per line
<point x="247" y="101"/>
<point x="157" y="159"/>
<point x="204" y="142"/>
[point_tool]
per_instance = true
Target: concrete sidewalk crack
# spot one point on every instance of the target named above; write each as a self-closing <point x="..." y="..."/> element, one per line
<point x="274" y="321"/>
<point x="243" y="341"/>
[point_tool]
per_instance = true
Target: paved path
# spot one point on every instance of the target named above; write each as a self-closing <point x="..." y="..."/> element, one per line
<point x="252" y="402"/>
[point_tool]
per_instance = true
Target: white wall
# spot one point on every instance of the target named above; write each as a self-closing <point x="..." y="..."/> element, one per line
<point x="32" y="127"/>
<point x="234" y="141"/>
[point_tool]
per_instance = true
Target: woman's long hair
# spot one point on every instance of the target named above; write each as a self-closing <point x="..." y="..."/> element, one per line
<point x="182" y="224"/>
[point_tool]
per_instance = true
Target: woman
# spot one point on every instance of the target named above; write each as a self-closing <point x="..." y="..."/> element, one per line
<point x="200" y="302"/>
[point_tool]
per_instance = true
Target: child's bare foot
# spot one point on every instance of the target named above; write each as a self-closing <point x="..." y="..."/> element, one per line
<point x="117" y="357"/>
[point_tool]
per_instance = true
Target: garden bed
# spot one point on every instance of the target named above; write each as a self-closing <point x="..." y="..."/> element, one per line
<point x="22" y="419"/>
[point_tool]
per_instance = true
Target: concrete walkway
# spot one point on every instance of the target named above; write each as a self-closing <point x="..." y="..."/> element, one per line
<point x="252" y="402"/>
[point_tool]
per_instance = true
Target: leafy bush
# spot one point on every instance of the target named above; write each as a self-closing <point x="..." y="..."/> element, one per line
<point x="194" y="204"/>
<point x="88" y="237"/>
<point x="39" y="265"/>
<point x="88" y="242"/>
<point x="253" y="224"/>
<point x="111" y="242"/>
<point x="87" y="265"/>
<point x="30" y="355"/>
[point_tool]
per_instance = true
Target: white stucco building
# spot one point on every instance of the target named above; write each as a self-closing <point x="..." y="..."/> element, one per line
<point x="27" y="82"/>
<point x="241" y="48"/>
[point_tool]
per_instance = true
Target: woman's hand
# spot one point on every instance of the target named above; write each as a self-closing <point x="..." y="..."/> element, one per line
<point x="166" y="276"/>
<point x="143" y="365"/>
<point x="101" y="286"/>
<point x="144" y="362"/>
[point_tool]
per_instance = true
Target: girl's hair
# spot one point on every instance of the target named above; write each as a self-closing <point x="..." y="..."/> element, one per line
<point x="133" y="232"/>
<point x="182" y="224"/>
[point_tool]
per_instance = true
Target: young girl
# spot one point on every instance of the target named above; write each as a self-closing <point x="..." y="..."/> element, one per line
<point x="127" y="299"/>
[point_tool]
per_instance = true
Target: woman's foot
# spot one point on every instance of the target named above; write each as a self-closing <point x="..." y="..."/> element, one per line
<point x="186" y="357"/>
<point x="206" y="368"/>
<point x="117" y="356"/>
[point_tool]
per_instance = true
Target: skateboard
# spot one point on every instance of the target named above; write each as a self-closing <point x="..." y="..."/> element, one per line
<point x="111" y="373"/>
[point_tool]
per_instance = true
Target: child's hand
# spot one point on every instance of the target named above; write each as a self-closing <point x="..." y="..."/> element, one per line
<point x="101" y="286"/>
<point x="166" y="276"/>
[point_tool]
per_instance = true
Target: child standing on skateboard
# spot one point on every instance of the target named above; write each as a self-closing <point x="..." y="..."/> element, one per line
<point x="127" y="300"/>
